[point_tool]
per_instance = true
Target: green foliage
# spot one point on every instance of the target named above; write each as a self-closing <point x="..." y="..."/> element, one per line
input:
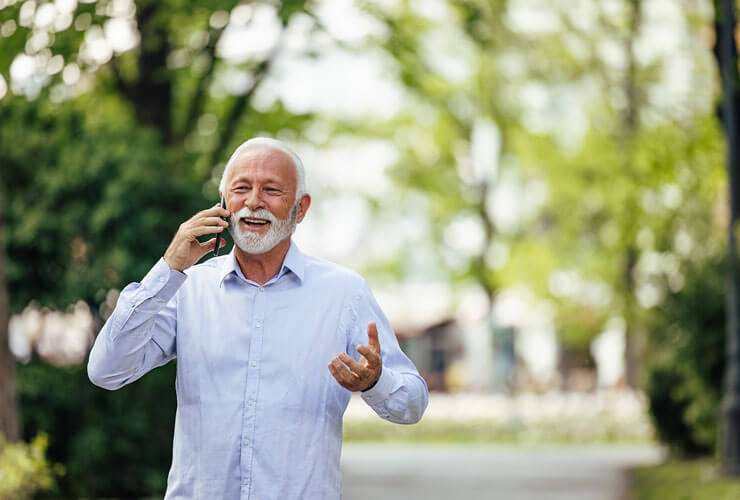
<point x="24" y="470"/>
<point x="608" y="210"/>
<point x="89" y="208"/>
<point x="683" y="480"/>
<point x="112" y="444"/>
<point x="668" y="411"/>
<point x="93" y="188"/>
<point x="637" y="178"/>
<point x="91" y="204"/>
<point x="687" y="348"/>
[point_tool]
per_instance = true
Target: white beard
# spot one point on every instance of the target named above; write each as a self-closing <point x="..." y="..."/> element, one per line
<point x="254" y="243"/>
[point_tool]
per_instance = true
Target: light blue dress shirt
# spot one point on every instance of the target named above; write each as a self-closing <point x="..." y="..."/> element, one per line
<point x="259" y="415"/>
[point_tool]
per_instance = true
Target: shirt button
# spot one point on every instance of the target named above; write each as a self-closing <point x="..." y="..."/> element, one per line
<point x="261" y="289"/>
<point x="259" y="324"/>
<point x="254" y="364"/>
<point x="161" y="280"/>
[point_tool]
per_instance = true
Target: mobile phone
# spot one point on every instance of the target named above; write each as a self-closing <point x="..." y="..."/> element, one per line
<point x="218" y="235"/>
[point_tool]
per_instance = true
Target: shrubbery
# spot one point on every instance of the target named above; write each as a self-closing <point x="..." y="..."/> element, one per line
<point x="686" y="361"/>
<point x="94" y="204"/>
<point x="24" y="470"/>
<point x="113" y="444"/>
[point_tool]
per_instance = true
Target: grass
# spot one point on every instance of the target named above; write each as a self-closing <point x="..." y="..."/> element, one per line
<point x="683" y="480"/>
<point x="560" y="431"/>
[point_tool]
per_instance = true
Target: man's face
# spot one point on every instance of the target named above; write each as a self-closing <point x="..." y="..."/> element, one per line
<point x="260" y="193"/>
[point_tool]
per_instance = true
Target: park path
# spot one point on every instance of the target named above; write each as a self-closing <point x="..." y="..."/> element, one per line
<point x="474" y="472"/>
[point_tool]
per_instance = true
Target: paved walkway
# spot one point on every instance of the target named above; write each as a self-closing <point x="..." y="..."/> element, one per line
<point x="471" y="472"/>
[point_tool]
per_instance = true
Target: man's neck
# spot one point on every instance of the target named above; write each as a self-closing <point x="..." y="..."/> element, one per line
<point x="261" y="268"/>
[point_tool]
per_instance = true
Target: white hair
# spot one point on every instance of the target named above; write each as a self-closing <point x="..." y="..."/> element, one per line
<point x="267" y="143"/>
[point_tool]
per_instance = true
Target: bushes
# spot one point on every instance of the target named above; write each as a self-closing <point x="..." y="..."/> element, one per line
<point x="668" y="411"/>
<point x="686" y="361"/>
<point x="113" y="444"/>
<point x="92" y="206"/>
<point x="24" y="470"/>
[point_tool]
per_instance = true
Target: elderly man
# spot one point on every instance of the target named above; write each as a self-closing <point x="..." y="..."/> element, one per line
<point x="269" y="342"/>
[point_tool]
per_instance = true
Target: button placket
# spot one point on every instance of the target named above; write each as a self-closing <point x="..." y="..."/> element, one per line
<point x="250" y="413"/>
<point x="248" y="420"/>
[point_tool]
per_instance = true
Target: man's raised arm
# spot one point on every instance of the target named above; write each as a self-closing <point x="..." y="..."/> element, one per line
<point x="396" y="391"/>
<point x="140" y="334"/>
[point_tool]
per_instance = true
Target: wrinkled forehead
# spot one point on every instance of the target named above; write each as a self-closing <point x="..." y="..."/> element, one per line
<point x="263" y="164"/>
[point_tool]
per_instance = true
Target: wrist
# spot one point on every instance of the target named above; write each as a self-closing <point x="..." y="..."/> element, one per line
<point x="172" y="265"/>
<point x="373" y="384"/>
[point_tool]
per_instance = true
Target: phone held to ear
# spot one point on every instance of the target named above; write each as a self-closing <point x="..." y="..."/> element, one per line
<point x="218" y="235"/>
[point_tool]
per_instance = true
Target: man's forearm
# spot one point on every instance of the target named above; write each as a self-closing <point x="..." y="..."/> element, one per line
<point x="139" y="335"/>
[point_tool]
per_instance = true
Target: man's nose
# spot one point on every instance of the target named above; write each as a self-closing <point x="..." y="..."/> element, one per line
<point x="254" y="200"/>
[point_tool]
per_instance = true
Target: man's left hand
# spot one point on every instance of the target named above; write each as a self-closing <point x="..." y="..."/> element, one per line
<point x="359" y="375"/>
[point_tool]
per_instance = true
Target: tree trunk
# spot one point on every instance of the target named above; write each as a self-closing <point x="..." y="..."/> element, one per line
<point x="152" y="92"/>
<point x="629" y="128"/>
<point x="633" y="340"/>
<point x="8" y="404"/>
<point x="726" y="53"/>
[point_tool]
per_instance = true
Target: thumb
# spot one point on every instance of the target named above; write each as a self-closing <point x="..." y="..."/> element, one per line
<point x="209" y="245"/>
<point x="372" y="334"/>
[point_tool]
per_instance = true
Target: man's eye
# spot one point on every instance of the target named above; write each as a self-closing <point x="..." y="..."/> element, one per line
<point x="240" y="189"/>
<point x="273" y="191"/>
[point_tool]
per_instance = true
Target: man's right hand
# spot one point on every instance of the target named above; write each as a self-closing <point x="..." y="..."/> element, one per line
<point x="185" y="249"/>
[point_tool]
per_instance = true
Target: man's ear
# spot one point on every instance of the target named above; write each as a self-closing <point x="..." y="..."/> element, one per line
<point x="303" y="207"/>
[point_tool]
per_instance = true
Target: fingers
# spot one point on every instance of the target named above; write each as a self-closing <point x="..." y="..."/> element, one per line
<point x="342" y="373"/>
<point x="198" y="226"/>
<point x="205" y="225"/>
<point x="355" y="375"/>
<point x="353" y="365"/>
<point x="211" y="221"/>
<point x="214" y="211"/>
<point x="200" y="231"/>
<point x="371" y="355"/>
<point x="185" y="249"/>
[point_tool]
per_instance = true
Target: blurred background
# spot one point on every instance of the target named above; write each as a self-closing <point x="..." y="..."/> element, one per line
<point x="535" y="189"/>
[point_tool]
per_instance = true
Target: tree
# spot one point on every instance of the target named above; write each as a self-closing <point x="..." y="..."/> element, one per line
<point x="118" y="120"/>
<point x="726" y="53"/>
<point x="618" y="193"/>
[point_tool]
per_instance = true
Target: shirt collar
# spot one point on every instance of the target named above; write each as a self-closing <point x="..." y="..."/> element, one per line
<point x="294" y="261"/>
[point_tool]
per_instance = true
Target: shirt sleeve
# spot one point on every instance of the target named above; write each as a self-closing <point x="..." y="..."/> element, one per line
<point x="400" y="395"/>
<point x="140" y="334"/>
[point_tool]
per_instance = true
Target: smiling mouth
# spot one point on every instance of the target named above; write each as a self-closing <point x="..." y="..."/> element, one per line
<point x="253" y="223"/>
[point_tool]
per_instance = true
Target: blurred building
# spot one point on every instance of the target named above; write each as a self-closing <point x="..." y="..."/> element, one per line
<point x="516" y="351"/>
<point x="434" y="349"/>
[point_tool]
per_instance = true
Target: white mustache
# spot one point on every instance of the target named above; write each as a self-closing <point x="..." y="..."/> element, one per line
<point x="262" y="213"/>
